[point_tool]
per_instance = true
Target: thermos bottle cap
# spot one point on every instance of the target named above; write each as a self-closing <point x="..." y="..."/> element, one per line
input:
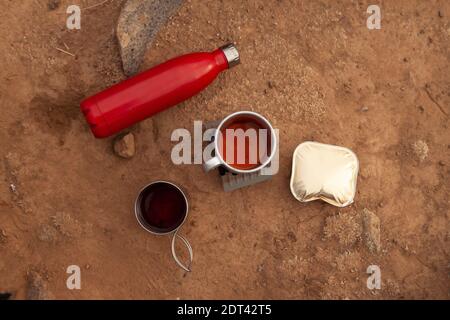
<point x="232" y="55"/>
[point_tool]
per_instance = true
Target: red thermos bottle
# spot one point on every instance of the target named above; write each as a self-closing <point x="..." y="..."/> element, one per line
<point x="155" y="90"/>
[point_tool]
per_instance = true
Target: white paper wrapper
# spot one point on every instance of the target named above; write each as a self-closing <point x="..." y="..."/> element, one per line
<point x="326" y="172"/>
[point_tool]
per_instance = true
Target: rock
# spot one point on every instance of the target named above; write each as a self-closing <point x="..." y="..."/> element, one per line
<point x="371" y="227"/>
<point x="420" y="149"/>
<point x="138" y="24"/>
<point x="364" y="109"/>
<point x="13" y="188"/>
<point x="125" y="146"/>
<point x="37" y="287"/>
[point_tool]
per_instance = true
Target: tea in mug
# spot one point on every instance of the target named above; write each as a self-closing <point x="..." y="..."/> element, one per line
<point x="163" y="207"/>
<point x="245" y="143"/>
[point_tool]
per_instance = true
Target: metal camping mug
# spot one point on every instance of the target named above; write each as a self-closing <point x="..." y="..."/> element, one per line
<point x="246" y="116"/>
<point x="146" y="196"/>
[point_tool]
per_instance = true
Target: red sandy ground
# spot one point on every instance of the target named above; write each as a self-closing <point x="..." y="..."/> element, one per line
<point x="311" y="67"/>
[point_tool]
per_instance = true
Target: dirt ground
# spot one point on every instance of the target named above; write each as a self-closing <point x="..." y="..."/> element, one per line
<point x="313" y="69"/>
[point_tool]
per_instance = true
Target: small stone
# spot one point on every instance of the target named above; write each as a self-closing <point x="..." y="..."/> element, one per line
<point x="87" y="266"/>
<point x="371" y="227"/>
<point x="364" y="109"/>
<point x="37" y="287"/>
<point x="420" y="149"/>
<point x="442" y="163"/>
<point x="13" y="188"/>
<point x="138" y="24"/>
<point x="125" y="146"/>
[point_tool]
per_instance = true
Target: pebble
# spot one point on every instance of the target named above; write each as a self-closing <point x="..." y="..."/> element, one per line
<point x="125" y="146"/>
<point x="13" y="188"/>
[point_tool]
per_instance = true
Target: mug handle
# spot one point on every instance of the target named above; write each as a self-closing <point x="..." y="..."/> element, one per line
<point x="188" y="246"/>
<point x="211" y="164"/>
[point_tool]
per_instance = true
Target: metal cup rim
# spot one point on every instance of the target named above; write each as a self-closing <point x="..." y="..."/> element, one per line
<point x="138" y="213"/>
<point x="272" y="133"/>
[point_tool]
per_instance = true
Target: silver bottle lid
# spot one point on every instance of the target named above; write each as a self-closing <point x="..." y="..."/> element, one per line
<point x="232" y="55"/>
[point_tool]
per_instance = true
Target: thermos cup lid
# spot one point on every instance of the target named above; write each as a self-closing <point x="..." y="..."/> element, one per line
<point x="232" y="55"/>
